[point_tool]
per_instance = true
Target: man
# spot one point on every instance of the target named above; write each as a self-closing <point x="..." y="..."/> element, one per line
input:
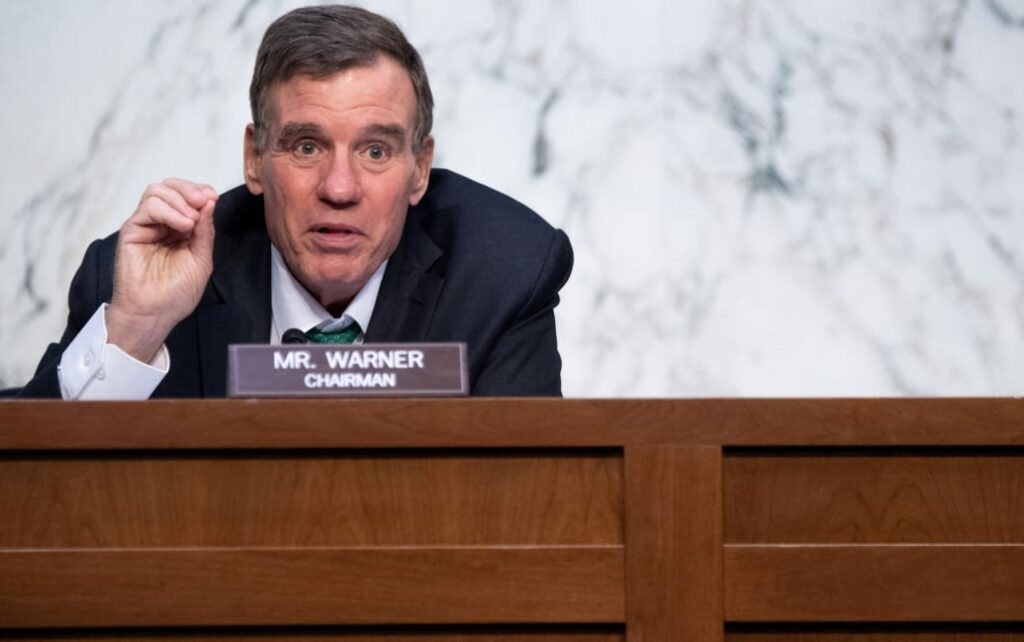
<point x="342" y="229"/>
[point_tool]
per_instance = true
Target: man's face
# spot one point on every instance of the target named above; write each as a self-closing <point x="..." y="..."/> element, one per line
<point x="339" y="174"/>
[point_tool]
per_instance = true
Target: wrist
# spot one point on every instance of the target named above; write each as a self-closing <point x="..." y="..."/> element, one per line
<point x="135" y="334"/>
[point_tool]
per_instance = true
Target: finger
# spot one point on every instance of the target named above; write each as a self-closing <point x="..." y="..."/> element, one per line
<point x="202" y="234"/>
<point x="172" y="197"/>
<point x="197" y="194"/>
<point x="211" y="193"/>
<point x="154" y="219"/>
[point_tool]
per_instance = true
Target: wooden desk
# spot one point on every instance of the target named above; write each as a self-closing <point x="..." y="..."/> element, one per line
<point x="539" y="520"/>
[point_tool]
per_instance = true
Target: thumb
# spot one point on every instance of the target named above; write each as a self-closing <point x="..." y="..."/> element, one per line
<point x="203" y="233"/>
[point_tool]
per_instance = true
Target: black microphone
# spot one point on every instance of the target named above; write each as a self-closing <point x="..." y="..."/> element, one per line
<point x="294" y="335"/>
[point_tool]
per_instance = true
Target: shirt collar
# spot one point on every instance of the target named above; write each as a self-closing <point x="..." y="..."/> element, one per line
<point x="292" y="306"/>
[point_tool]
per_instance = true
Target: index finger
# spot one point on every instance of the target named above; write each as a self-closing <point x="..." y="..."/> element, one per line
<point x="196" y="194"/>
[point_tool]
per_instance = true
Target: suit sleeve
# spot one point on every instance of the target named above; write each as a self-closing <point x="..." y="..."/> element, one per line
<point x="86" y="294"/>
<point x="524" y="361"/>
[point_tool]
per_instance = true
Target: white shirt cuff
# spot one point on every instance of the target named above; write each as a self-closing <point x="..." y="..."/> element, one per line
<point x="92" y="369"/>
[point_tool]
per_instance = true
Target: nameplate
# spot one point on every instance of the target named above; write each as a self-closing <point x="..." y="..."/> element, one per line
<point x="367" y="370"/>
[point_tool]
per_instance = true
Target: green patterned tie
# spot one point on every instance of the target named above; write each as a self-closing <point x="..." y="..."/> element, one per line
<point x="347" y="334"/>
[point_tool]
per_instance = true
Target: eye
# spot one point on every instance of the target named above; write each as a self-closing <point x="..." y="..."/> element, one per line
<point x="377" y="152"/>
<point x="306" y="148"/>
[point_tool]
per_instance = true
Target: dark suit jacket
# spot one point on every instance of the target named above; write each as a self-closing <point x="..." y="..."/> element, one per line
<point x="473" y="265"/>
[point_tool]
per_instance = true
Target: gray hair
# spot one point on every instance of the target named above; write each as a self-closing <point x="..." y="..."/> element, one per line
<point x="322" y="41"/>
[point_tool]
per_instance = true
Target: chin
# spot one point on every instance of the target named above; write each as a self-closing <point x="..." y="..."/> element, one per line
<point x="341" y="279"/>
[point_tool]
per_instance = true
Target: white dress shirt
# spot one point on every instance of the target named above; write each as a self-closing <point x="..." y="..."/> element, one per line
<point x="92" y="369"/>
<point x="294" y="307"/>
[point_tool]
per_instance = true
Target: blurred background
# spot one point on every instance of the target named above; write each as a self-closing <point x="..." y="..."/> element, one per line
<point x="765" y="197"/>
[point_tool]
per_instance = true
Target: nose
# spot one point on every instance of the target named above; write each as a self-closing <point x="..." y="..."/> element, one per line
<point x="339" y="184"/>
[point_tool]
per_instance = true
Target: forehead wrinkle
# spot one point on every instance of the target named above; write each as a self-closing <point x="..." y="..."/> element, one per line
<point x="388" y="85"/>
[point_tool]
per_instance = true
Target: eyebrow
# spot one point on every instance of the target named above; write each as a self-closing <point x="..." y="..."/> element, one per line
<point x="393" y="131"/>
<point x="291" y="131"/>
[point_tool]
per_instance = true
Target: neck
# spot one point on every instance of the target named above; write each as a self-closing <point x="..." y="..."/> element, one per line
<point x="336" y="308"/>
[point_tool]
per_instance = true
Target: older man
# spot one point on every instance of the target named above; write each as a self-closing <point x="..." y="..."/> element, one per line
<point x="342" y="229"/>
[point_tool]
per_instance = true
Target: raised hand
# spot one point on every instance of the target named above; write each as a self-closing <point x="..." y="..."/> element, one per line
<point x="164" y="259"/>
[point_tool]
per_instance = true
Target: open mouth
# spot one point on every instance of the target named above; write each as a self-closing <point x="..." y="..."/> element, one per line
<point x="330" y="229"/>
<point x="336" y="237"/>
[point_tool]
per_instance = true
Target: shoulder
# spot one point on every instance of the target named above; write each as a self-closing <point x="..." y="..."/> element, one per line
<point x="454" y="199"/>
<point x="480" y="229"/>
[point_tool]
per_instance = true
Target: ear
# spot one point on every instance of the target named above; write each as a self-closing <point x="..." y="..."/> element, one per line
<point x="421" y="175"/>
<point x="253" y="161"/>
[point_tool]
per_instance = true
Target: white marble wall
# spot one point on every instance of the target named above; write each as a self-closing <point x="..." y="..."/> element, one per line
<point x="766" y="197"/>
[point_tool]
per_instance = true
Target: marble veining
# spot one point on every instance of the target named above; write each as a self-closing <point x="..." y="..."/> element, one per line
<point x="766" y="198"/>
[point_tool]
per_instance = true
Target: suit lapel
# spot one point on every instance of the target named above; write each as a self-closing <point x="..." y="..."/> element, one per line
<point x="236" y="305"/>
<point x="409" y="292"/>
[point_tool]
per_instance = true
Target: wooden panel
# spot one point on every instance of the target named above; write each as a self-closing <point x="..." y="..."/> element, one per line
<point x="912" y="633"/>
<point x="341" y="637"/>
<point x="412" y="423"/>
<point x="505" y="633"/>
<point x="879" y="497"/>
<point x="309" y="586"/>
<point x="921" y="583"/>
<point x="529" y="498"/>
<point x="673" y="538"/>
